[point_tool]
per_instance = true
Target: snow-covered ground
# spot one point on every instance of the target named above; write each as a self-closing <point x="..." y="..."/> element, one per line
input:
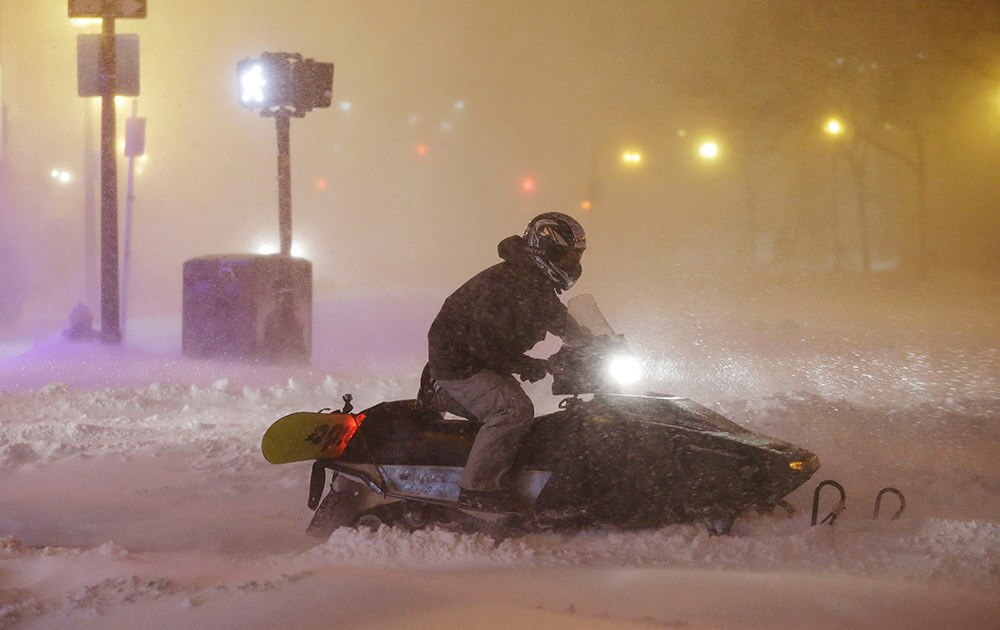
<point x="133" y="493"/>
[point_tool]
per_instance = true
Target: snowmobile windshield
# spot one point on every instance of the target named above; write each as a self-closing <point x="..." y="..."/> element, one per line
<point x="585" y="312"/>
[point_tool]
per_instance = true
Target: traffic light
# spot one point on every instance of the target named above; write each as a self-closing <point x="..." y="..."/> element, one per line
<point x="263" y="82"/>
<point x="283" y="80"/>
<point x="312" y="84"/>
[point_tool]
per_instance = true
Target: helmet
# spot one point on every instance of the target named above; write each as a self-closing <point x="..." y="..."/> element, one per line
<point x="555" y="241"/>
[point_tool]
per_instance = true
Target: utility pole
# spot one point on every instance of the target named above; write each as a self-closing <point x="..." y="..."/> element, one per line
<point x="90" y="293"/>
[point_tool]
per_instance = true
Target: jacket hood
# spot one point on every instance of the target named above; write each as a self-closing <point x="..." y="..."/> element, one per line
<point x="512" y="250"/>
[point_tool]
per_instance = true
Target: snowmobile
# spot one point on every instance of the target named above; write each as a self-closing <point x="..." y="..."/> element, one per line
<point x="605" y="459"/>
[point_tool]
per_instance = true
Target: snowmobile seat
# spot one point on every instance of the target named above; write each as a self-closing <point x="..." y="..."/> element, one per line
<point x="405" y="432"/>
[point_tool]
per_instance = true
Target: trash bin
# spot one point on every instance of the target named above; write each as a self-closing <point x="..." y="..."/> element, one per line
<point x="248" y="307"/>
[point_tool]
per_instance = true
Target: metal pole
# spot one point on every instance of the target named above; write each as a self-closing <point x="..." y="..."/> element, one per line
<point x="91" y="295"/>
<point x="282" y="123"/>
<point x="129" y="203"/>
<point x="838" y="254"/>
<point x="110" y="324"/>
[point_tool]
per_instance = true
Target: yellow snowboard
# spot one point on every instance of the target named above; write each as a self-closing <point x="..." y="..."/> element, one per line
<point x="306" y="435"/>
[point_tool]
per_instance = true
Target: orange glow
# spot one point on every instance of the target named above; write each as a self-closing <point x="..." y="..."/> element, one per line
<point x="322" y="184"/>
<point x="349" y="428"/>
<point x="586" y="205"/>
<point x="529" y="184"/>
<point x="422" y="150"/>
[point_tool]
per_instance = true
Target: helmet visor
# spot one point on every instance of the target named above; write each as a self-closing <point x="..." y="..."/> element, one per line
<point x="566" y="258"/>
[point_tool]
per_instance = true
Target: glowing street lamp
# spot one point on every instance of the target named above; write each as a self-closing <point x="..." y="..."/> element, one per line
<point x="631" y="158"/>
<point x="63" y="177"/>
<point x="708" y="150"/>
<point x="833" y="127"/>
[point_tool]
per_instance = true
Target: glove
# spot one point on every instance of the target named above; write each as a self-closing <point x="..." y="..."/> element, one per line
<point x="532" y="369"/>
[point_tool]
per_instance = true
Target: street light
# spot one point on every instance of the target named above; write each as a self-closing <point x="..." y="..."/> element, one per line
<point x="833" y="127"/>
<point x="708" y="150"/>
<point x="631" y="158"/>
<point x="63" y="177"/>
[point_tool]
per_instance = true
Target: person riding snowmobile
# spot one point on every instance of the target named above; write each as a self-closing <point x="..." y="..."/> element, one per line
<point x="478" y="340"/>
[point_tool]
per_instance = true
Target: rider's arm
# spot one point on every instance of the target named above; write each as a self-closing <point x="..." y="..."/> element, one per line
<point x="491" y="317"/>
<point x="575" y="335"/>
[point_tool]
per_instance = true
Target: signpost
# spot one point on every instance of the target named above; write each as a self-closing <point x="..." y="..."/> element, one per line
<point x="135" y="146"/>
<point x="108" y="11"/>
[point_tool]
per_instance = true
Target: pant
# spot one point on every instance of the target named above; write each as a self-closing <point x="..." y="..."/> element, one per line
<point x="506" y="412"/>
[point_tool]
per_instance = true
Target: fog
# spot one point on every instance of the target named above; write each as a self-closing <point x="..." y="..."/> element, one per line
<point x="785" y="224"/>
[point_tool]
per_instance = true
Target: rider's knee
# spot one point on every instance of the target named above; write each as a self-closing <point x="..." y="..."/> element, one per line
<point x="520" y="410"/>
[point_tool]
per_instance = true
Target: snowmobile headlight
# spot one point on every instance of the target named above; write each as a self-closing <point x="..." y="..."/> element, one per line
<point x="625" y="370"/>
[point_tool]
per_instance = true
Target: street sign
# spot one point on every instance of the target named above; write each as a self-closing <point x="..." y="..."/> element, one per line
<point x="88" y="75"/>
<point x="135" y="136"/>
<point x="115" y="8"/>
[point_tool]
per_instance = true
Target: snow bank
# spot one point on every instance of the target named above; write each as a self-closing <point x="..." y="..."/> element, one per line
<point x="925" y="550"/>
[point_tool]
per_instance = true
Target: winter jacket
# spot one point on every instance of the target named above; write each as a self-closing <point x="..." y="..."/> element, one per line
<point x="495" y="317"/>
